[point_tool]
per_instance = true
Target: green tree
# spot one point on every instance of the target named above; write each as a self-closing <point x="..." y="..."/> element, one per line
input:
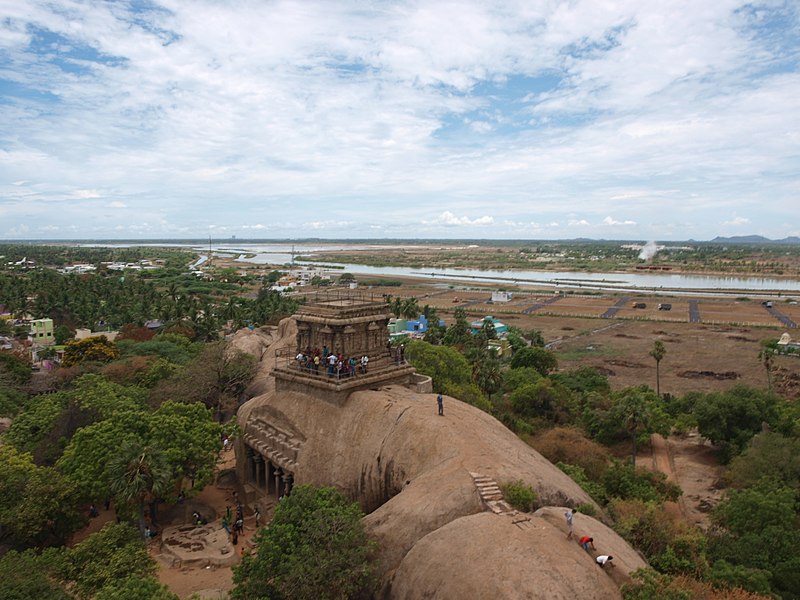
<point x="730" y="419"/>
<point x="488" y="374"/>
<point x="410" y="308"/>
<point x="516" y="339"/>
<point x="758" y="529"/>
<point x="540" y="359"/>
<point x="435" y="331"/>
<point x="658" y="353"/>
<point x="514" y="378"/>
<point x="633" y="413"/>
<point x="315" y="547"/>
<point x="583" y="381"/>
<point x="186" y="435"/>
<point x="14" y="370"/>
<point x="443" y="364"/>
<point x="767" y="356"/>
<point x="27" y="576"/>
<point x="535" y="337"/>
<point x="37" y="504"/>
<point x="641" y="413"/>
<point x="189" y="439"/>
<point x="542" y="399"/>
<point x="769" y="455"/>
<point x="458" y="334"/>
<point x="105" y="559"/>
<point x="136" y="474"/>
<point x="135" y="587"/>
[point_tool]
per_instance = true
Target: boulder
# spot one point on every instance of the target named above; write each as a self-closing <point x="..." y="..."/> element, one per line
<point x="501" y="557"/>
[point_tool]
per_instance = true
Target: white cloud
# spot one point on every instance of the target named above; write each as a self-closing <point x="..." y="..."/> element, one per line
<point x="736" y="221"/>
<point x="85" y="194"/>
<point x="612" y="221"/>
<point x="352" y="112"/>
<point x="449" y="219"/>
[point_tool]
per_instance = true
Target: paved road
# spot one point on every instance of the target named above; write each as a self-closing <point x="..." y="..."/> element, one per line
<point x="694" y="311"/>
<point x="539" y="305"/>
<point x="612" y="312"/>
<point x="781" y="317"/>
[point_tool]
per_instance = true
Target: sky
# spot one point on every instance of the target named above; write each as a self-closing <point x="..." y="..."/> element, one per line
<point x="538" y="119"/>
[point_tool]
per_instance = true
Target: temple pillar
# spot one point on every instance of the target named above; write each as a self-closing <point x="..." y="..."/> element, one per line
<point x="278" y="484"/>
<point x="250" y="464"/>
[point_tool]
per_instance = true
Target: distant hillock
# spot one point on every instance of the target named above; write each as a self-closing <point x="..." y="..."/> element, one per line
<point x="754" y="239"/>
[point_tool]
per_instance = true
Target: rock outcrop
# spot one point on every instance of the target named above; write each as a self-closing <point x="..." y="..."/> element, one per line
<point x="422" y="479"/>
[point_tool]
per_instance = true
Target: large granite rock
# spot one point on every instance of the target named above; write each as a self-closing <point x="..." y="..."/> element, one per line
<point x="415" y="474"/>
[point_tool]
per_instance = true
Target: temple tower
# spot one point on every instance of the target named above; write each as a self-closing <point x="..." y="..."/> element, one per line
<point x="347" y="326"/>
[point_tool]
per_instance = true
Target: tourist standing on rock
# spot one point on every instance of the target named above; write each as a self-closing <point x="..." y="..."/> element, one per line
<point x="604" y="560"/>
<point x="586" y="542"/>
<point x="258" y="517"/>
<point x="570" y="515"/>
<point x="440" y="402"/>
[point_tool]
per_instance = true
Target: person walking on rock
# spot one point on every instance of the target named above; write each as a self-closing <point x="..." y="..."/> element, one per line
<point x="440" y="402"/>
<point x="570" y="515"/>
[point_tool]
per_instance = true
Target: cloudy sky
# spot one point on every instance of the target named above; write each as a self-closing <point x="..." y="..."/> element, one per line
<point x="615" y="119"/>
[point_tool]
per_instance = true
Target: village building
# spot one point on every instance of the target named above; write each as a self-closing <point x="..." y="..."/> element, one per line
<point x="42" y="332"/>
<point x="500" y="328"/>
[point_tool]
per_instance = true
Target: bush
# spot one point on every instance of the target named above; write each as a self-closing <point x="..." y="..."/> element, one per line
<point x="519" y="495"/>
<point x="727" y="574"/>
<point x="620" y="481"/>
<point x="469" y="393"/>
<point x="569" y="445"/>
<point x="578" y="475"/>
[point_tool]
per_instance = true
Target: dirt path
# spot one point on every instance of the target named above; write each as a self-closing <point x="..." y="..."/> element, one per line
<point x="690" y="462"/>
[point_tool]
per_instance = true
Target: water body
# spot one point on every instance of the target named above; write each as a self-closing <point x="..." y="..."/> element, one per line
<point x="281" y="254"/>
<point x="278" y="254"/>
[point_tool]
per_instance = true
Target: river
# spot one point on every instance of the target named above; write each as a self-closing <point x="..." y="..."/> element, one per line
<point x="282" y="254"/>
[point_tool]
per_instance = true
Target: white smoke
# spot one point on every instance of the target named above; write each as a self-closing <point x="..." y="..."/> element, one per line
<point x="648" y="251"/>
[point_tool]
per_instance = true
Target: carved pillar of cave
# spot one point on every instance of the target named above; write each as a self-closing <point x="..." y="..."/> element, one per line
<point x="278" y="483"/>
<point x="250" y="465"/>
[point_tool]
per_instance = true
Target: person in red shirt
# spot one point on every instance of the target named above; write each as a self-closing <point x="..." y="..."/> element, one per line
<point x="586" y="542"/>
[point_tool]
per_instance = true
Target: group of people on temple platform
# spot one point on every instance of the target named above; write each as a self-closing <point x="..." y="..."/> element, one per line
<point x="336" y="364"/>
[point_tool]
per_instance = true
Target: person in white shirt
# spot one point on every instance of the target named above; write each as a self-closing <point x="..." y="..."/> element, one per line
<point x="604" y="560"/>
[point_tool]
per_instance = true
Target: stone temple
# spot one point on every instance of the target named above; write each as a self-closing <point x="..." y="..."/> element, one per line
<point x="346" y="325"/>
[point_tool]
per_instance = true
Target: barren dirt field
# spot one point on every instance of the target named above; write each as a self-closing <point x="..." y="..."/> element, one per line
<point x="716" y="350"/>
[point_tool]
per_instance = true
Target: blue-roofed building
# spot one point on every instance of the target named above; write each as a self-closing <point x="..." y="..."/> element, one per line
<point x="499" y="327"/>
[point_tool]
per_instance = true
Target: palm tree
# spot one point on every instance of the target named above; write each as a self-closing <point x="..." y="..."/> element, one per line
<point x="489" y="374"/>
<point x="767" y="357"/>
<point x="658" y="352"/>
<point x="138" y="473"/>
<point x="409" y="308"/>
